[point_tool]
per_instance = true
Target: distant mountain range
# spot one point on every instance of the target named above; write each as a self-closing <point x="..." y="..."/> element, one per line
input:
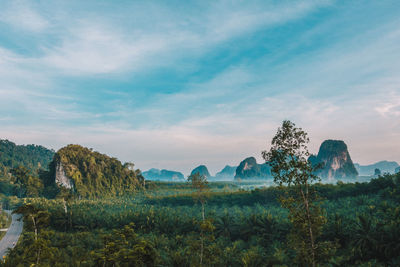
<point x="384" y="166"/>
<point x="163" y="175"/>
<point x="228" y="172"/>
<point x="333" y="155"/>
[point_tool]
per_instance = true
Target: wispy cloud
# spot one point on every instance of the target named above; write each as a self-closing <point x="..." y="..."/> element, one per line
<point x="205" y="83"/>
<point x="390" y="106"/>
<point x="107" y="47"/>
<point x="94" y="50"/>
<point x="22" y="15"/>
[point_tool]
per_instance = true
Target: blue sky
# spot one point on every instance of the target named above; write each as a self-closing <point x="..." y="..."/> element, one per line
<point x="176" y="84"/>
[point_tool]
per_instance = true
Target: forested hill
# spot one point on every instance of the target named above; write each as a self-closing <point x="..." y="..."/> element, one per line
<point x="32" y="157"/>
<point x="92" y="174"/>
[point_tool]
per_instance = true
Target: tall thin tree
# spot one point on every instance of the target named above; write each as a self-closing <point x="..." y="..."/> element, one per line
<point x="288" y="158"/>
<point x="200" y="185"/>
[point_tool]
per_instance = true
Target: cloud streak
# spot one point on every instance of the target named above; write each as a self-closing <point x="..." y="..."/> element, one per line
<point x="102" y="46"/>
<point x="23" y="16"/>
<point x="206" y="83"/>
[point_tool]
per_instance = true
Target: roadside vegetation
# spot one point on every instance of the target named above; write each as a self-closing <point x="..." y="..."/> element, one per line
<point x="5" y="221"/>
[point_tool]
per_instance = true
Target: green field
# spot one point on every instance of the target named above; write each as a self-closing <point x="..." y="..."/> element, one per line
<point x="161" y="226"/>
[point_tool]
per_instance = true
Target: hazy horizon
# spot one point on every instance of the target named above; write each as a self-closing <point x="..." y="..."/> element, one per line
<point x="176" y="86"/>
<point x="212" y="171"/>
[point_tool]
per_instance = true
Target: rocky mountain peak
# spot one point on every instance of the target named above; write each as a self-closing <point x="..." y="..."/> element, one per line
<point x="202" y="170"/>
<point x="61" y="179"/>
<point x="336" y="160"/>
<point x="250" y="169"/>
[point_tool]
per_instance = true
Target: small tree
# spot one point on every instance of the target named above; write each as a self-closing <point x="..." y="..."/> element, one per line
<point x="288" y="158"/>
<point x="200" y="185"/>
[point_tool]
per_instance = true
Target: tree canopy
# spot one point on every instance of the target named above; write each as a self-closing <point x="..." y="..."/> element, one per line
<point x="32" y="157"/>
<point x="95" y="174"/>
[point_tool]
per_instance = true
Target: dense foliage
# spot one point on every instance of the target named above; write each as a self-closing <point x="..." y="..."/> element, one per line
<point x="92" y="174"/>
<point x="4" y="222"/>
<point x="20" y="167"/>
<point x="32" y="157"/>
<point x="95" y="174"/>
<point x="242" y="228"/>
<point x="4" y="218"/>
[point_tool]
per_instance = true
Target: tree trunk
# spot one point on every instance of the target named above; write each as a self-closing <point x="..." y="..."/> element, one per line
<point x="70" y="218"/>
<point x="66" y="214"/>
<point x="203" y="211"/>
<point x="305" y="200"/>
<point x="202" y="234"/>
<point x="34" y="226"/>
<point x="38" y="257"/>
<point x="201" y="248"/>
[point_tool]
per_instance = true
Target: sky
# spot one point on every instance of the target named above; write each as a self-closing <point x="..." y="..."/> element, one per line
<point x="176" y="84"/>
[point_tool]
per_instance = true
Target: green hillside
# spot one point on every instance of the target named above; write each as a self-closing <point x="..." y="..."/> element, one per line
<point x="32" y="157"/>
<point x="95" y="174"/>
<point x="20" y="166"/>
